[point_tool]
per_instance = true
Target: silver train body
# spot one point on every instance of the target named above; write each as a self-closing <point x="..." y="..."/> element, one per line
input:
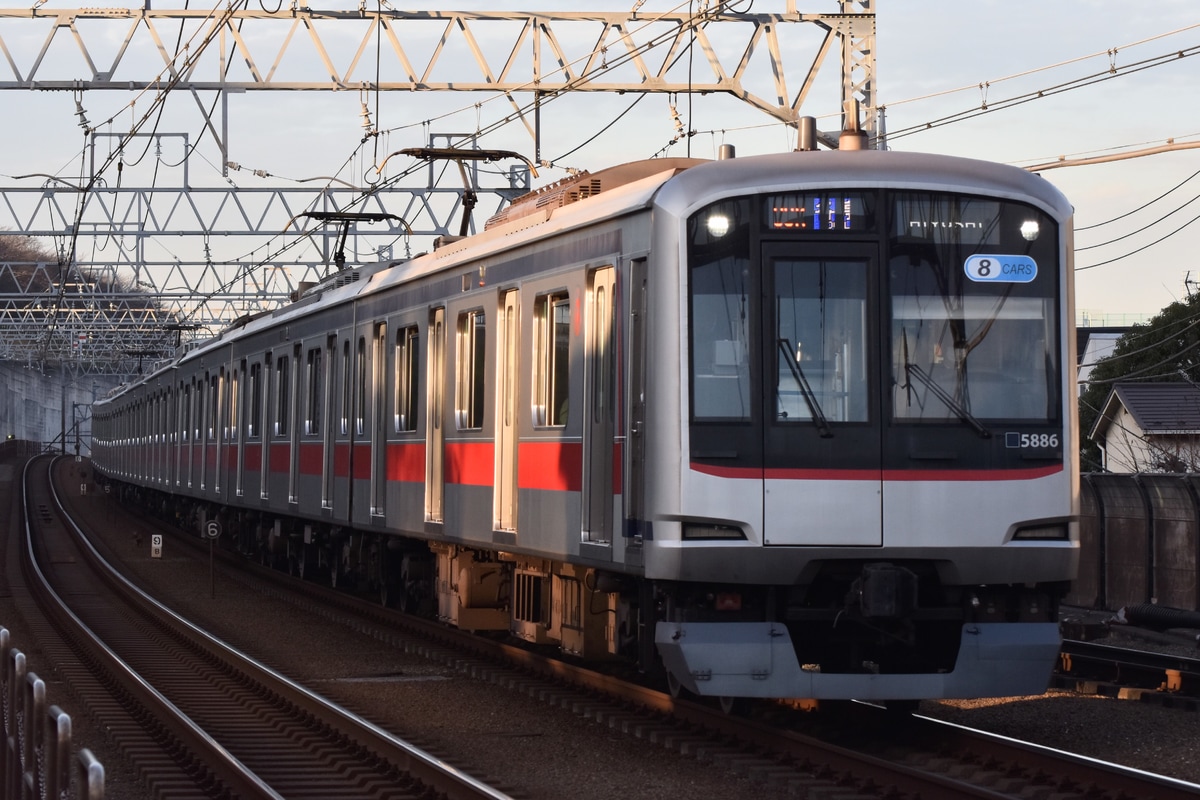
<point x="792" y="426"/>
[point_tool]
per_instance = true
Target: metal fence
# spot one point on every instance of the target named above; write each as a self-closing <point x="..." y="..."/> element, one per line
<point x="37" y="740"/>
<point x="1139" y="541"/>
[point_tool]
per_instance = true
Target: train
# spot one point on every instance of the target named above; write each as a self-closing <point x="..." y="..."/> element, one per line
<point x="792" y="425"/>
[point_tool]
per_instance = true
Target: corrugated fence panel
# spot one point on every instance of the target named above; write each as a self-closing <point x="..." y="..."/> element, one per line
<point x="1088" y="589"/>
<point x="1173" y="508"/>
<point x="1189" y="553"/>
<point x="1126" y="540"/>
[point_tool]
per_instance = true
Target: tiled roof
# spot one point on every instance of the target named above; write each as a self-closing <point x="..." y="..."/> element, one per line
<point x="1161" y="407"/>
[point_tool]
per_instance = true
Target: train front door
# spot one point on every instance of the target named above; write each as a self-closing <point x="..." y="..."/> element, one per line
<point x="822" y="476"/>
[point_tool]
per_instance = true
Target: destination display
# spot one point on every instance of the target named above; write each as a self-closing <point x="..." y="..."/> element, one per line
<point x="820" y="212"/>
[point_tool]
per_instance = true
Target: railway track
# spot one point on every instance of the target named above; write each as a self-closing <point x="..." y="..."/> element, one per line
<point x="1146" y="675"/>
<point x="863" y="756"/>
<point x="209" y="721"/>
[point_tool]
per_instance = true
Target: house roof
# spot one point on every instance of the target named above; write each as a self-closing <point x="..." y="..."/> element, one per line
<point x="1159" y="408"/>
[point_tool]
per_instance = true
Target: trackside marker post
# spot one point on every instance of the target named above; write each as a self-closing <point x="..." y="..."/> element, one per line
<point x="212" y="531"/>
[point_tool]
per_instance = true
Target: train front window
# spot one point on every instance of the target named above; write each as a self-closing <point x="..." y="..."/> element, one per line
<point x="820" y="341"/>
<point x="720" y="312"/>
<point x="973" y="297"/>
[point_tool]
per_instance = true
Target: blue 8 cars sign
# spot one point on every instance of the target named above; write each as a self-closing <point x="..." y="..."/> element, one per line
<point x="1000" y="269"/>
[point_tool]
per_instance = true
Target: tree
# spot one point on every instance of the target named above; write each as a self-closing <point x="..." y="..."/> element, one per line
<point x="19" y="260"/>
<point x="51" y="311"/>
<point x="1165" y="349"/>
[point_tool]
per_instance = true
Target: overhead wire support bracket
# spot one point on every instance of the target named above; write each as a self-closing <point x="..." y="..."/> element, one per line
<point x="346" y="218"/>
<point x="459" y="155"/>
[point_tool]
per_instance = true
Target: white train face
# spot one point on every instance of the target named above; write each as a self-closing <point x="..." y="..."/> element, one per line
<point x="870" y="368"/>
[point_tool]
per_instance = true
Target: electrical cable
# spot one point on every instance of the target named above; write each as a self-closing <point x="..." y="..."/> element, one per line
<point x="1141" y="207"/>
<point x="600" y="132"/>
<point x="1140" y="249"/>
<point x="1170" y="359"/>
<point x="1195" y="320"/>
<point x="1139" y="230"/>
<point x="81" y="202"/>
<point x="571" y="84"/>
<point x="1110" y="53"/>
<point x="1071" y="85"/>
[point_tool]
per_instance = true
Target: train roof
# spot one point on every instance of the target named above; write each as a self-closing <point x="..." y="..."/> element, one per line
<point x="611" y="193"/>
<point x="678" y="185"/>
<point x="851" y="169"/>
<point x="585" y="185"/>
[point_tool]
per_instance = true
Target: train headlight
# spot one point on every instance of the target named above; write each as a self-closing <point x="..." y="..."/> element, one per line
<point x="708" y="531"/>
<point x="717" y="224"/>
<point x="1056" y="532"/>
<point x="1030" y="229"/>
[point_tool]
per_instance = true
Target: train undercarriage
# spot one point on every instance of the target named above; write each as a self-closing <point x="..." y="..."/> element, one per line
<point x="855" y="618"/>
<point x="584" y="613"/>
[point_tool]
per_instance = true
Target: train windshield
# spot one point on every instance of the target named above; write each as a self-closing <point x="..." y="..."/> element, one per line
<point x="973" y="289"/>
<point x="855" y="329"/>
<point x="820" y="334"/>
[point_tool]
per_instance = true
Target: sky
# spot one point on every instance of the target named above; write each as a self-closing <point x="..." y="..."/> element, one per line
<point x="934" y="59"/>
<point x="935" y="46"/>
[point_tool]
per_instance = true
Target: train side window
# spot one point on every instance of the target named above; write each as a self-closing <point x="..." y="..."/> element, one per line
<point x="214" y="386"/>
<point x="360" y="402"/>
<point x="253" y="428"/>
<point x="185" y="414"/>
<point x="312" y="385"/>
<point x="469" y="381"/>
<point x="232" y="400"/>
<point x="283" y="395"/>
<point x="198" y="412"/>
<point x="344" y="417"/>
<point x="551" y="359"/>
<point x="408" y="378"/>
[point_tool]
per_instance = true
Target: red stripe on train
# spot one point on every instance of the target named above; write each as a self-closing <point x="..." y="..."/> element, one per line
<point x="556" y="466"/>
<point x="751" y="473"/>
<point x="406" y="462"/>
<point x="470" y="463"/>
<point x="280" y="453"/>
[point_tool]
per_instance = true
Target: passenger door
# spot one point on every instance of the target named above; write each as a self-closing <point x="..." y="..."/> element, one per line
<point x="378" y="418"/>
<point x="822" y="476"/>
<point x="599" y="392"/>
<point x="435" y="484"/>
<point x="507" y="382"/>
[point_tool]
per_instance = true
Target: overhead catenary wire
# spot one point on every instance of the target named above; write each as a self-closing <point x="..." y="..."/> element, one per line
<point x="1110" y="53"/>
<point x="607" y="126"/>
<point x="1139" y="208"/>
<point x="177" y="75"/>
<point x="543" y="96"/>
<point x="1192" y="321"/>
<point x="1145" y="227"/>
<point x="988" y="107"/>
<point x="694" y="19"/>
<point x="1171" y="359"/>
<point x="1140" y="249"/>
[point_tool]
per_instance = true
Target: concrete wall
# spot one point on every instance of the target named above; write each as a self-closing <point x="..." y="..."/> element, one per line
<point x="39" y="405"/>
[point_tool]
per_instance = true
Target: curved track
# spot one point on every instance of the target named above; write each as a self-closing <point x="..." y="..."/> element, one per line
<point x="218" y="723"/>
<point x="862" y="757"/>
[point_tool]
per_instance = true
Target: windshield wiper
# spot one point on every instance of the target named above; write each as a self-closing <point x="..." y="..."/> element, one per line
<point x="810" y="398"/>
<point x="913" y="371"/>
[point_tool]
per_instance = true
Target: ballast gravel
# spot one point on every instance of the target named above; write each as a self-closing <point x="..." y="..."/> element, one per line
<point x="534" y="750"/>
